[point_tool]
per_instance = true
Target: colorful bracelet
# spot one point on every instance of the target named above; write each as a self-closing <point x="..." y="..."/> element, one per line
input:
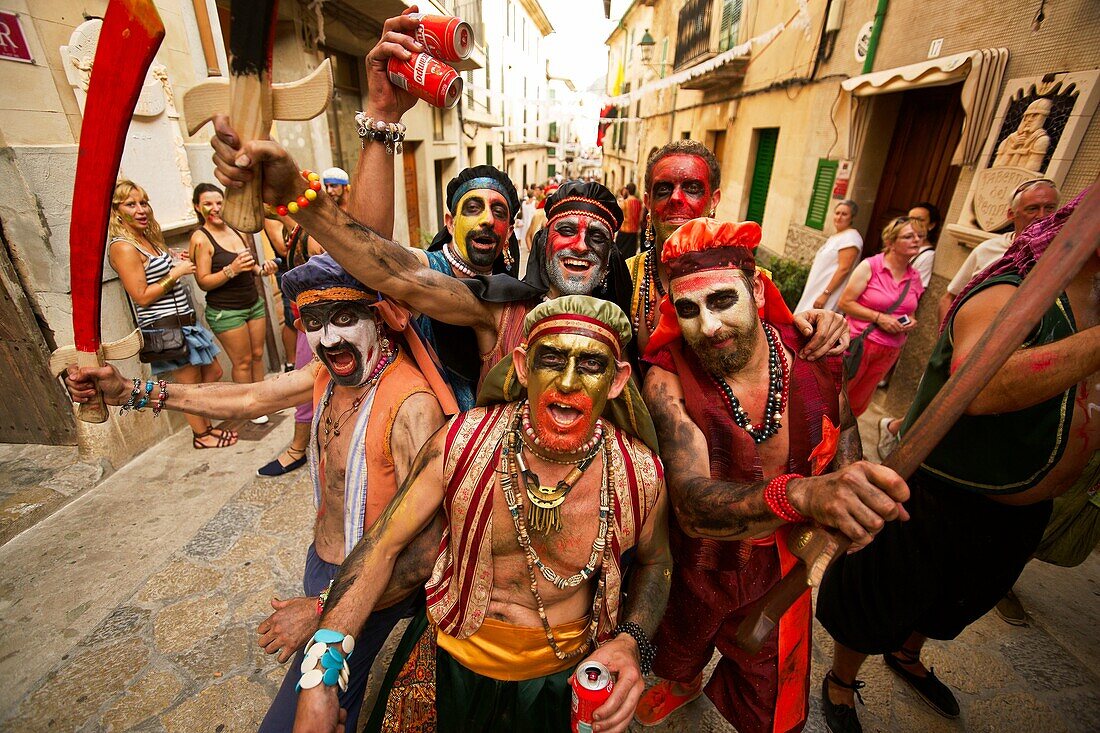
<point x="390" y="133"/>
<point x="145" y="397"/>
<point x="775" y="496"/>
<point x="330" y="650"/>
<point x="303" y="201"/>
<point x="133" y="397"/>
<point x="159" y="404"/>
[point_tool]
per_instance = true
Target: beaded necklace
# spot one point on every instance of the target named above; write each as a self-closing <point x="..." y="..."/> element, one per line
<point x="650" y="281"/>
<point x="332" y="427"/>
<point x="456" y="262"/>
<point x="778" y="381"/>
<point x="533" y="443"/>
<point x="600" y="547"/>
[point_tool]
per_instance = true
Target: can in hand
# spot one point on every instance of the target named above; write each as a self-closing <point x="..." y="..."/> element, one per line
<point x="444" y="36"/>
<point x="592" y="685"/>
<point x="427" y="78"/>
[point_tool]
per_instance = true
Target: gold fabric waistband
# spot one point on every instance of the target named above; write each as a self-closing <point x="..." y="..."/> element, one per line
<point x="510" y="653"/>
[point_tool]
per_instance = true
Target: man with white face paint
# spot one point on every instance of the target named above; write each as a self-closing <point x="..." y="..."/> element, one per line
<point x="377" y="399"/>
<point x="755" y="440"/>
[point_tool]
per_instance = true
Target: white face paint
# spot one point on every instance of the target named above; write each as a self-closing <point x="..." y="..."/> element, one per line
<point x="717" y="311"/>
<point x="344" y="337"/>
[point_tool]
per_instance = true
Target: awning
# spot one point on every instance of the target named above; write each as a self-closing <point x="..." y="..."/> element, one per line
<point x="981" y="72"/>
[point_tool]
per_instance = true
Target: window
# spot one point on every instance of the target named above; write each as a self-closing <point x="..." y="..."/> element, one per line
<point x="818" y="211"/>
<point x="693" y="32"/>
<point x="730" y="25"/>
<point x="489" y="154"/>
<point x="347" y="99"/>
<point x="766" y="141"/>
<point x="551" y="170"/>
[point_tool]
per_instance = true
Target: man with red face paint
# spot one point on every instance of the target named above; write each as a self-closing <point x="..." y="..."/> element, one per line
<point x="756" y="439"/>
<point x="682" y="181"/>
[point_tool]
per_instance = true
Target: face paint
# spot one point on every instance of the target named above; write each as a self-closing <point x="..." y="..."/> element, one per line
<point x="210" y="206"/>
<point x="680" y="191"/>
<point x="134" y="210"/>
<point x="344" y="337"/>
<point x="336" y="191"/>
<point x="718" y="317"/>
<point x="568" y="380"/>
<point x="577" y="250"/>
<point x="482" y="224"/>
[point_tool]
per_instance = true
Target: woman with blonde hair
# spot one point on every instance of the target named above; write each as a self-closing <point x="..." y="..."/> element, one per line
<point x="150" y="276"/>
<point x="879" y="301"/>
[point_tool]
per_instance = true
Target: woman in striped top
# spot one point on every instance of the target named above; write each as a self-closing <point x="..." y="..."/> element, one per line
<point x="149" y="274"/>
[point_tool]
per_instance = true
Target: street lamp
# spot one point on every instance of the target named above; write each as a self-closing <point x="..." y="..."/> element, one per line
<point x="646" y="47"/>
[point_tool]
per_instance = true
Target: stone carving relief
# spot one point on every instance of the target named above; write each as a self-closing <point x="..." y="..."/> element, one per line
<point x="154" y="156"/>
<point x="1039" y="125"/>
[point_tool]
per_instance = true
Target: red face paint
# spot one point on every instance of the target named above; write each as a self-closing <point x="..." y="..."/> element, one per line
<point x="561" y="430"/>
<point x="578" y="246"/>
<point x="680" y="191"/>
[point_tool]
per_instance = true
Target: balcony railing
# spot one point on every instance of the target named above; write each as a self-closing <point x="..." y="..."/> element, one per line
<point x="470" y="11"/>
<point x="693" y="32"/>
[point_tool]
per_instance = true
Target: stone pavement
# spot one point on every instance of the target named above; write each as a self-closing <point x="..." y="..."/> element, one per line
<point x="134" y="608"/>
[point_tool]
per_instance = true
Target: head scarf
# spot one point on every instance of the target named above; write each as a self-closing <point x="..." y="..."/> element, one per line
<point x="707" y="244"/>
<point x="473" y="179"/>
<point x="335" y="175"/>
<point x="580" y="314"/>
<point x="1028" y="246"/>
<point x="321" y="279"/>
<point x="594" y="199"/>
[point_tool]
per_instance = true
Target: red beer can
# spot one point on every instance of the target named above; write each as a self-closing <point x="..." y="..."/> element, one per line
<point x="427" y="78"/>
<point x="592" y="685"/>
<point x="444" y="36"/>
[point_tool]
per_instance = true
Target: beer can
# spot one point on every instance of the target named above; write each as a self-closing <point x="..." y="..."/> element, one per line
<point x="444" y="36"/>
<point x="427" y="78"/>
<point x="592" y="685"/>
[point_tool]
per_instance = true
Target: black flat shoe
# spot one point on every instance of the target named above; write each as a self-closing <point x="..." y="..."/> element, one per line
<point x="840" y="718"/>
<point x="277" y="469"/>
<point x="935" y="694"/>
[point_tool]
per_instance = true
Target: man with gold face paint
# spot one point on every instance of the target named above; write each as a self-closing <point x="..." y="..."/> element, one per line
<point x="545" y="491"/>
<point x="756" y="439"/>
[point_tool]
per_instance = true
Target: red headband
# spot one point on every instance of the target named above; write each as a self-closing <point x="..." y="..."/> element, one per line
<point x="578" y="325"/>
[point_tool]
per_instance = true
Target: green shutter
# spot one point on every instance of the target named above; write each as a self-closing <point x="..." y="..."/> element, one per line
<point x="551" y="170"/>
<point x="489" y="154"/>
<point x="730" y="24"/>
<point x="762" y="173"/>
<point x="822" y="193"/>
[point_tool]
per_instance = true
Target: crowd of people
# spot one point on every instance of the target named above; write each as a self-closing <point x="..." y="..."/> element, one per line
<point x="609" y="457"/>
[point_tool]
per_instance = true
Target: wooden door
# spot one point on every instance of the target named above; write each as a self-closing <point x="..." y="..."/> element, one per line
<point x="918" y="166"/>
<point x="34" y="407"/>
<point x="412" y="195"/>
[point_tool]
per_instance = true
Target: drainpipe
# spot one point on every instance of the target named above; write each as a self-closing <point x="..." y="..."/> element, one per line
<point x="876" y="30"/>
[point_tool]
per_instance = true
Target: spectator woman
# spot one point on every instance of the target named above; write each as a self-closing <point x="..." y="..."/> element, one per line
<point x="226" y="268"/>
<point x="833" y="263"/>
<point x="929" y="216"/>
<point x="150" y="275"/>
<point x="880" y="299"/>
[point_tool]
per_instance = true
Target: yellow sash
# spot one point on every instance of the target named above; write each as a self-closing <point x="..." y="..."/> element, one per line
<point x="510" y="653"/>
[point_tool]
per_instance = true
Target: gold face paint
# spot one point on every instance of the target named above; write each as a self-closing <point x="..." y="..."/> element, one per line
<point x="482" y="225"/>
<point x="569" y="378"/>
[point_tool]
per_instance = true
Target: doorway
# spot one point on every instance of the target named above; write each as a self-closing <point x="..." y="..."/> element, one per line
<point x="918" y="164"/>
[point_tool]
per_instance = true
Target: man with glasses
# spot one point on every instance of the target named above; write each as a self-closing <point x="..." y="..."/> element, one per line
<point x="1031" y="200"/>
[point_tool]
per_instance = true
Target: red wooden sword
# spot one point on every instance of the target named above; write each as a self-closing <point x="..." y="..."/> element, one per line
<point x="131" y="34"/>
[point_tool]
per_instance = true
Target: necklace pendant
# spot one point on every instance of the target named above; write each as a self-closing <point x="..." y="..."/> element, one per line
<point x="544" y="519"/>
<point x="335" y="432"/>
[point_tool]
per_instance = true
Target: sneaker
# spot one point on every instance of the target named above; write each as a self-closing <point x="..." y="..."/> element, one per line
<point x="840" y="718"/>
<point x="887" y="441"/>
<point x="261" y="420"/>
<point x="1011" y="610"/>
<point x="659" y="701"/>
<point x="935" y="694"/>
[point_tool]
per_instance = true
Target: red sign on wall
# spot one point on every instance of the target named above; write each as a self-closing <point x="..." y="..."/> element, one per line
<point x="13" y="44"/>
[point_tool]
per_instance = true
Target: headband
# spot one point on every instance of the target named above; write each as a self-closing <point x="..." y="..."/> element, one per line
<point x="310" y="297"/>
<point x="716" y="258"/>
<point x="571" y="205"/>
<point x="478" y="183"/>
<point x="578" y="325"/>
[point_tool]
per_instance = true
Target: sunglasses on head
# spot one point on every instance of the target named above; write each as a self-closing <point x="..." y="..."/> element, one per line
<point x="1031" y="183"/>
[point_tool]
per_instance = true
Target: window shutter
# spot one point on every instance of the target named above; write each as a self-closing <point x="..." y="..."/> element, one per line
<point x="822" y="192"/>
<point x="762" y="173"/>
<point x="730" y="25"/>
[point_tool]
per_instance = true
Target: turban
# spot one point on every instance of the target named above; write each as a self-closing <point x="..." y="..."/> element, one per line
<point x="586" y="316"/>
<point x="477" y="178"/>
<point x="321" y="279"/>
<point x="706" y="244"/>
<point x="335" y="175"/>
<point x="594" y="199"/>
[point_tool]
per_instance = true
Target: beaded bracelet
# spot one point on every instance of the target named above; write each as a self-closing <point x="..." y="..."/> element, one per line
<point x="133" y="397"/>
<point x="775" y="496"/>
<point x="145" y="397"/>
<point x="159" y="404"/>
<point x="303" y="201"/>
<point x="333" y="660"/>
<point x="390" y="133"/>
<point x="647" y="652"/>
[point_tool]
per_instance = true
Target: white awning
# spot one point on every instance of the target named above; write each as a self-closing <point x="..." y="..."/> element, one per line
<point x="981" y="72"/>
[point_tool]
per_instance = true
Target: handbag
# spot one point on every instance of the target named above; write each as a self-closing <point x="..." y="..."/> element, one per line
<point x="855" y="347"/>
<point x="163" y="339"/>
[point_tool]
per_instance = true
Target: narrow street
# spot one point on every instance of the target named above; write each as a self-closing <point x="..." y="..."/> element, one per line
<point x="134" y="608"/>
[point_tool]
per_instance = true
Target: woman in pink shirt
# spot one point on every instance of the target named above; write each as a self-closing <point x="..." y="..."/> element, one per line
<point x="876" y="284"/>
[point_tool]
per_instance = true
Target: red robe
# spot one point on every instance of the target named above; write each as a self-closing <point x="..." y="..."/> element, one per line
<point x="714" y="580"/>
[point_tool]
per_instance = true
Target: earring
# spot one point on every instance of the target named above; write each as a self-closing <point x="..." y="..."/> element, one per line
<point x="508" y="260"/>
<point x="649" y="236"/>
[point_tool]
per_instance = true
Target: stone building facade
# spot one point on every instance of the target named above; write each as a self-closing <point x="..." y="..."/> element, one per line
<point x="799" y="117"/>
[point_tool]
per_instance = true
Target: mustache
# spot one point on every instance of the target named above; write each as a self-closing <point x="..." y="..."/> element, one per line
<point x="483" y="232"/>
<point x="588" y="256"/>
<point x="576" y="400"/>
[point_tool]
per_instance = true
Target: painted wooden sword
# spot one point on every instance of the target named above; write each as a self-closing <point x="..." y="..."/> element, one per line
<point x="128" y="40"/>
<point x="252" y="101"/>
<point x="817" y="546"/>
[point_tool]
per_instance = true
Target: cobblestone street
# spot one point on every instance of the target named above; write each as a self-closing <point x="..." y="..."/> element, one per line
<point x="134" y="608"/>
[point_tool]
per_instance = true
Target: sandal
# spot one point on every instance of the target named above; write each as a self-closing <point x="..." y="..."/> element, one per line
<point x="220" y="431"/>
<point x="224" y="440"/>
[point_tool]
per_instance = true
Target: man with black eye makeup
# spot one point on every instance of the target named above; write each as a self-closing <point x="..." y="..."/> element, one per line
<point x="378" y="397"/>
<point x="755" y="440"/>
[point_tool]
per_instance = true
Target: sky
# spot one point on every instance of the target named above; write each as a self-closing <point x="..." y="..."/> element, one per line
<point x="576" y="48"/>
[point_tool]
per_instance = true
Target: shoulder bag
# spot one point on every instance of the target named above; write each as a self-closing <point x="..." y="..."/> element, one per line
<point x="855" y="348"/>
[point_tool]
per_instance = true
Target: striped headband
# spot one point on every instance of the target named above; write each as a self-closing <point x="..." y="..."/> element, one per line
<point x="309" y="297"/>
<point x="571" y="205"/>
<point x="577" y="325"/>
<point x="477" y="183"/>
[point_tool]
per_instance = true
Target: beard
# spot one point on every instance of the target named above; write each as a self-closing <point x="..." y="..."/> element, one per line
<point x="476" y="253"/>
<point x="726" y="360"/>
<point x="579" y="281"/>
<point x="568" y="438"/>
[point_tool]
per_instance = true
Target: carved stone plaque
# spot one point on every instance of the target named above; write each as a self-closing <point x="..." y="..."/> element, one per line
<point x="993" y="188"/>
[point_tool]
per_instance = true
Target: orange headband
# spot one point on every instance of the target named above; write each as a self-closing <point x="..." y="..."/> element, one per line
<point x="309" y="297"/>
<point x="577" y="325"/>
